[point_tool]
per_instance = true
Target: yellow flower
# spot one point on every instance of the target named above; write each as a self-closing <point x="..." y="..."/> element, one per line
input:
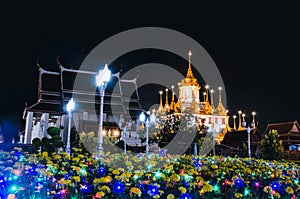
<point x="66" y="182"/>
<point x="80" y="156"/>
<point x="238" y="195"/>
<point x="276" y="194"/>
<point x="76" y="178"/>
<point x="267" y="189"/>
<point x="156" y="196"/>
<point x="289" y="190"/>
<point x="68" y="157"/>
<point x="182" y="190"/>
<point x="105" y="188"/>
<point x="107" y="179"/>
<point x="97" y="180"/>
<point x="45" y="154"/>
<point x="298" y="187"/>
<point x="115" y="172"/>
<point x="207" y="188"/>
<point x="175" y="178"/>
<point x="214" y="166"/>
<point x="126" y="175"/>
<point x="121" y="169"/>
<point x="100" y="194"/>
<point x="170" y="196"/>
<point x="199" y="178"/>
<point x="136" y="191"/>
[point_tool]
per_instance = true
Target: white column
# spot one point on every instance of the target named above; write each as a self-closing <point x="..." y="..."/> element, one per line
<point x="28" y="128"/>
<point x="46" y="118"/>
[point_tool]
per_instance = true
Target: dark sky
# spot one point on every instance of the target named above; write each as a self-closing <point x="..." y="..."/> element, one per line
<point x="255" y="47"/>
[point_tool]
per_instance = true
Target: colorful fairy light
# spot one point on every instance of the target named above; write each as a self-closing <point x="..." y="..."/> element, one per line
<point x="152" y="190"/>
<point x="186" y="196"/>
<point x="118" y="187"/>
<point x="60" y="178"/>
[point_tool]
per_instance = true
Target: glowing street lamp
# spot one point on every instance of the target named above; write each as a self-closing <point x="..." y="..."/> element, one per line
<point x="142" y="118"/>
<point x="102" y="79"/>
<point x="70" y="107"/>
<point x="248" y="131"/>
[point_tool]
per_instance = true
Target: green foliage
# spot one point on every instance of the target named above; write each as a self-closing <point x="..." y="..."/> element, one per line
<point x="49" y="144"/>
<point x="168" y="127"/>
<point x="271" y="147"/>
<point x="53" y="131"/>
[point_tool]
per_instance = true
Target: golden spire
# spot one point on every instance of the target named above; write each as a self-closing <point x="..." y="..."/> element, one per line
<point x="220" y="109"/>
<point x="172" y="105"/>
<point x="190" y="73"/>
<point x="234" y="125"/>
<point x="160" y="108"/>
<point x="253" y="118"/>
<point x="167" y="103"/>
<point x="160" y="99"/>
<point x="240" y="122"/>
<point x="206" y="87"/>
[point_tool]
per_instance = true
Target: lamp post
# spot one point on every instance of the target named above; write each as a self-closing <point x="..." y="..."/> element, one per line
<point x="248" y="128"/>
<point x="142" y="118"/>
<point x="70" y="108"/>
<point x="102" y="79"/>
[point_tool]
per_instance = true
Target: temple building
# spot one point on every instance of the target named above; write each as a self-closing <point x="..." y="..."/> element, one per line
<point x="204" y="112"/>
<point x="55" y="90"/>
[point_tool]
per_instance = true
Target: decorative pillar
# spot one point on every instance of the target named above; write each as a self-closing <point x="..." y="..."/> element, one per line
<point x="28" y="128"/>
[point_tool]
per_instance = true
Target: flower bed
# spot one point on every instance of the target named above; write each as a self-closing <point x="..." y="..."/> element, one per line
<point x="55" y="175"/>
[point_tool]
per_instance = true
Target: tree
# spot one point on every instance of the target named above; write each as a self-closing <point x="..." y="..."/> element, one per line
<point x="271" y="147"/>
<point x="169" y="126"/>
<point x="49" y="144"/>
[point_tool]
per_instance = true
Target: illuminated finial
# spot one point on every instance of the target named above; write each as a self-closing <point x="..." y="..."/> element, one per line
<point x="160" y="99"/>
<point x="240" y="121"/>
<point x="220" y="94"/>
<point x="190" y="73"/>
<point x="211" y="98"/>
<point x="206" y="87"/>
<point x="221" y="109"/>
<point x="253" y="117"/>
<point x="173" y="93"/>
<point x="167" y="103"/>
<point x="234" y="125"/>
<point x="243" y="116"/>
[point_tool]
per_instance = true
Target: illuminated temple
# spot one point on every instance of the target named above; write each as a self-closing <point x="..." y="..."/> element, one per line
<point x="203" y="112"/>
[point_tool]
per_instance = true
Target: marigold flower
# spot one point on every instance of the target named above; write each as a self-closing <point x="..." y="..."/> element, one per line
<point x="175" y="178"/>
<point x="207" y="188"/>
<point x="182" y="190"/>
<point x="100" y="194"/>
<point x="115" y="172"/>
<point x="170" y="196"/>
<point x="289" y="190"/>
<point x="105" y="188"/>
<point x="136" y="191"/>
<point x="76" y="178"/>
<point x="238" y="195"/>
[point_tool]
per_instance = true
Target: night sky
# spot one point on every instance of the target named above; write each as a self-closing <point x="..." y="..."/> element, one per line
<point x="255" y="47"/>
